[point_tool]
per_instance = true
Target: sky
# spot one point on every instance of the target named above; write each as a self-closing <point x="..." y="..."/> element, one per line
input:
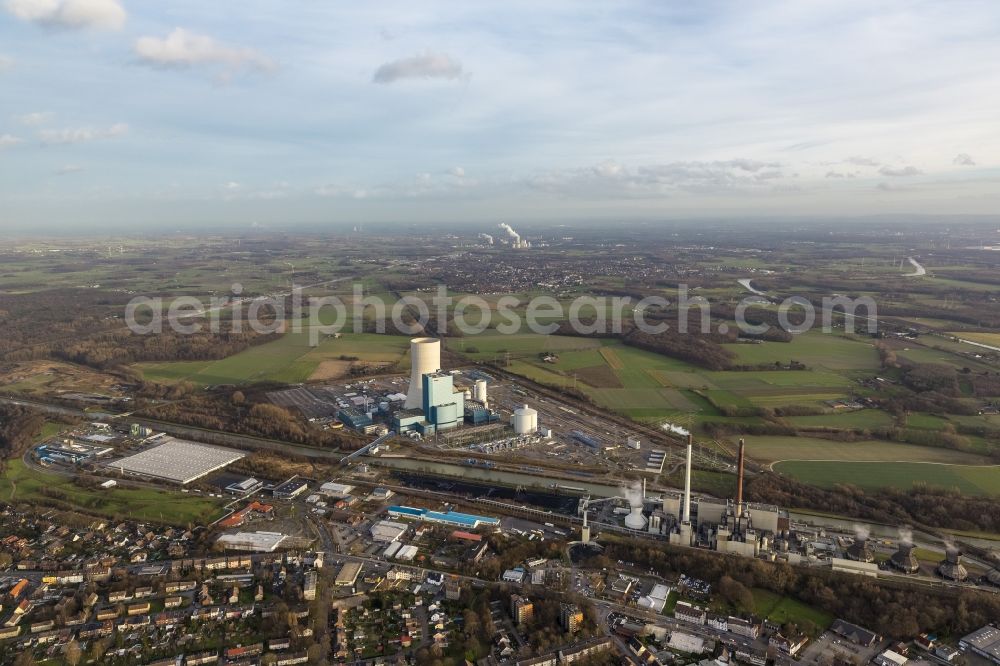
<point x="251" y="112"/>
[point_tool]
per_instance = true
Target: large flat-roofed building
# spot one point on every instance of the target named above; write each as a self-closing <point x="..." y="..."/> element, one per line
<point x="983" y="642"/>
<point x="454" y="518"/>
<point x="354" y="418"/>
<point x="252" y="541"/>
<point x="387" y="531"/>
<point x="348" y="574"/>
<point x="178" y="461"/>
<point x="334" y="489"/>
<point x="244" y="487"/>
<point x="291" y="488"/>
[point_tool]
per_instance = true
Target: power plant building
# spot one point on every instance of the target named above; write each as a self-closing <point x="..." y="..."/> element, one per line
<point x="425" y="358"/>
<point x="444" y="407"/>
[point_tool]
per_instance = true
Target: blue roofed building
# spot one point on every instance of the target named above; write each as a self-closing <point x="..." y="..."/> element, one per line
<point x="453" y="518"/>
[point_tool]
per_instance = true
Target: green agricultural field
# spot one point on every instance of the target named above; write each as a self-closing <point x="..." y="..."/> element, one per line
<point x="21" y="483"/>
<point x="925" y="421"/>
<point x="992" y="339"/>
<point x="528" y="346"/>
<point x="767" y="449"/>
<point x="288" y="359"/>
<point x="814" y="349"/>
<point x="857" y="419"/>
<point x="723" y="399"/>
<point x="973" y="480"/>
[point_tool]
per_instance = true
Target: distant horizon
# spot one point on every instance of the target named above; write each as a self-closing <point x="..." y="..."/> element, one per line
<point x="985" y="224"/>
<point x="140" y="115"/>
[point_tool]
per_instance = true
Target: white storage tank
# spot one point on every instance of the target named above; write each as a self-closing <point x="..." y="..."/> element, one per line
<point x="480" y="390"/>
<point x="525" y="420"/>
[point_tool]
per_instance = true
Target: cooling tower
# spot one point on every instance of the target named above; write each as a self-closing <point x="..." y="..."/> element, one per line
<point x="635" y="520"/>
<point x="425" y="357"/>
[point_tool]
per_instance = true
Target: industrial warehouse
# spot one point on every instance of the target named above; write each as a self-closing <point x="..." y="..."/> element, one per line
<point x="177" y="461"/>
<point x="445" y="517"/>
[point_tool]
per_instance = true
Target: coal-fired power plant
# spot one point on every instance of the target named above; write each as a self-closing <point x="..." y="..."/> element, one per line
<point x="513" y="238"/>
<point x="425" y="358"/>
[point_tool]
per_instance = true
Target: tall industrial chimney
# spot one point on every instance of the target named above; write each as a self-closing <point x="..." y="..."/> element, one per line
<point x="739" y="479"/>
<point x="687" y="482"/>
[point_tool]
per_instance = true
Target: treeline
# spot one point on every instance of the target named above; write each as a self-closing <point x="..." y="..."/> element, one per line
<point x="19" y="426"/>
<point x="35" y="324"/>
<point x="760" y="317"/>
<point x="933" y="387"/>
<point x="85" y="326"/>
<point x="893" y="610"/>
<point x="121" y="347"/>
<point x="700" y="349"/>
<point x="233" y="413"/>
<point x="920" y="505"/>
<point x="697" y="349"/>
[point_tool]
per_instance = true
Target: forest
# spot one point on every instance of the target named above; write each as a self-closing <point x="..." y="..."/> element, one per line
<point x="85" y="326"/>
<point x="895" y="611"/>
<point x="19" y="426"/>
<point x="234" y="412"/>
<point x="918" y="506"/>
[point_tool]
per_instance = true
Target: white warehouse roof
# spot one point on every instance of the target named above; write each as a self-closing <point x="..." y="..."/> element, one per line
<point x="334" y="488"/>
<point x="178" y="460"/>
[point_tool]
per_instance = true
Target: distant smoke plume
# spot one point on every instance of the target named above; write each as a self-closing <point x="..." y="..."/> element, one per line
<point x="861" y="532"/>
<point x="514" y="236"/>
<point x="906" y="535"/>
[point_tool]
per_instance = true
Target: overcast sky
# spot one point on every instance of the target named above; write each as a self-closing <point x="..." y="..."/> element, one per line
<point x="240" y="112"/>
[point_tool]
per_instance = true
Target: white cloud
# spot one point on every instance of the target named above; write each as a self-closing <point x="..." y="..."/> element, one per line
<point x="6" y="62"/>
<point x="104" y="14"/>
<point x="425" y="66"/>
<point x="457" y="172"/>
<point x="964" y="159"/>
<point x="183" y="48"/>
<point x="900" y="171"/>
<point x="35" y="119"/>
<point x="81" y="134"/>
<point x="68" y="169"/>
<point x="610" y="178"/>
<point x="859" y="160"/>
<point x="7" y="140"/>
